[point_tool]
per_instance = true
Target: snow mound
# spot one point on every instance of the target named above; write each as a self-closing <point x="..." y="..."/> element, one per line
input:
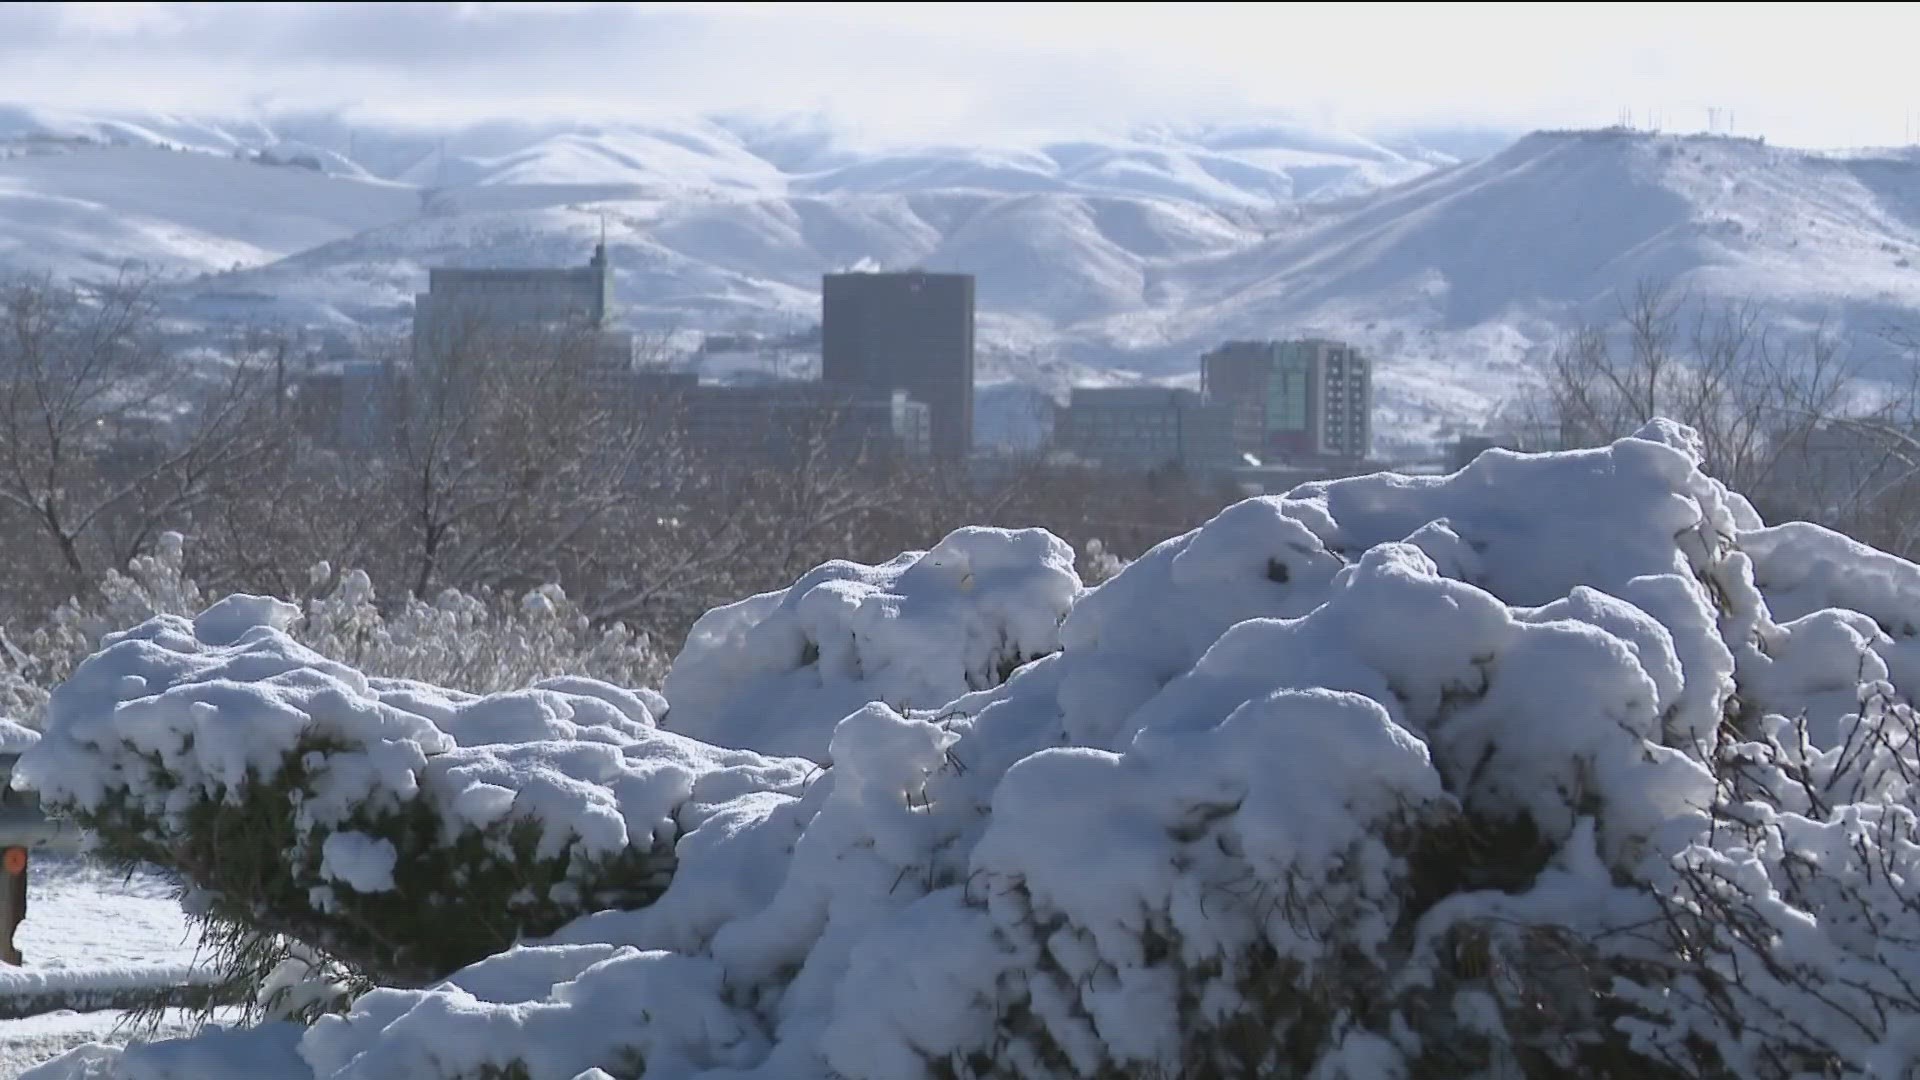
<point x="777" y="671"/>
<point x="1386" y="777"/>
<point x="216" y="1052"/>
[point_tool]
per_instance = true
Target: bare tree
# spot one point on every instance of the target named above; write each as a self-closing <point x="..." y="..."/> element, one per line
<point x="1750" y="391"/>
<point x="732" y="524"/>
<point x="106" y="440"/>
<point x="1783" y="416"/>
<point x="519" y="448"/>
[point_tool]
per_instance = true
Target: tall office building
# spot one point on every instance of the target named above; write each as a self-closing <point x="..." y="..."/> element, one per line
<point x="908" y="331"/>
<point x="1310" y="398"/>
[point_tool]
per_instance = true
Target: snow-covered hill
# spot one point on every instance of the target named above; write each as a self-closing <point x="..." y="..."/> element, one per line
<point x="1562" y="219"/>
<point x="1132" y="251"/>
<point x="92" y="212"/>
<point x="1456" y="277"/>
<point x="1243" y="164"/>
<point x="728" y="218"/>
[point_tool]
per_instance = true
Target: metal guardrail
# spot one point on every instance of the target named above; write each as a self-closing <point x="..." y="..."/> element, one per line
<point x="19" y="1006"/>
<point x="23" y="823"/>
<point x="30" y="827"/>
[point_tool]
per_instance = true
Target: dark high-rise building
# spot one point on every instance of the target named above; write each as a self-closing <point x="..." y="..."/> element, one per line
<point x="905" y="331"/>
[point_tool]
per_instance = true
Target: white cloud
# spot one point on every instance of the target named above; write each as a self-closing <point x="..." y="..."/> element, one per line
<point x="1809" y="74"/>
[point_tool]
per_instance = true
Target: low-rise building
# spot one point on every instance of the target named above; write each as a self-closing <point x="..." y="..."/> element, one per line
<point x="1144" y="428"/>
<point x="1525" y="438"/>
<point x="779" y="420"/>
<point x="1278" y="479"/>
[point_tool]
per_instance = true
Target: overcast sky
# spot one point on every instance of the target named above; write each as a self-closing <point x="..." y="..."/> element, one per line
<point x="1806" y="74"/>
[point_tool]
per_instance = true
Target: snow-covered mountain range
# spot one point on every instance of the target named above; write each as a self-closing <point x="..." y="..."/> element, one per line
<point x="1455" y="261"/>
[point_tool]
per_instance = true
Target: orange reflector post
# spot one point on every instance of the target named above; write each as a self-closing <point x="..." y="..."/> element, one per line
<point x="13" y="902"/>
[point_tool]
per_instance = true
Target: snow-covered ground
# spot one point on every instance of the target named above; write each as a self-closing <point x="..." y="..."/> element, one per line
<point x="91" y="928"/>
<point x="83" y="916"/>
<point x="34" y="1040"/>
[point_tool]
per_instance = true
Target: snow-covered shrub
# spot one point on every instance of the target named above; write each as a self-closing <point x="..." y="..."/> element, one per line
<point x="1304" y="768"/>
<point x="154" y="584"/>
<point x="1790" y="937"/>
<point x="475" y="644"/>
<point x="479" y="644"/>
<point x="776" y="672"/>
<point x="397" y="827"/>
<point x="1102" y="564"/>
<point x="1792" y="932"/>
<point x="1560" y="766"/>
